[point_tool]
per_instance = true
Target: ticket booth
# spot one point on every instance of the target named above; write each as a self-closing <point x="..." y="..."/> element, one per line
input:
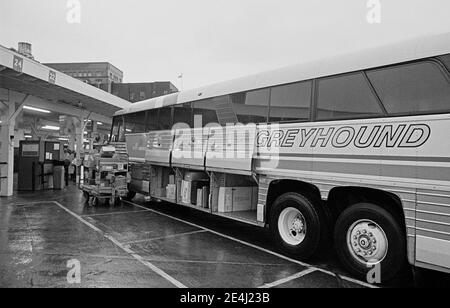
<point x="36" y="162"/>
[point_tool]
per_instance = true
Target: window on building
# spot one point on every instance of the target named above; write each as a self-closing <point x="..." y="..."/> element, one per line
<point x="412" y="88"/>
<point x="142" y="95"/>
<point x="183" y="114"/>
<point x="347" y="96"/>
<point x="290" y="103"/>
<point x="251" y="107"/>
<point x="207" y="110"/>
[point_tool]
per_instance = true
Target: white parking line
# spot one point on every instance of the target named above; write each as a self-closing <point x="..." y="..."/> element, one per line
<point x="257" y="247"/>
<point x="164" y="237"/>
<point x="287" y="279"/>
<point x="126" y="249"/>
<point x="113" y="213"/>
<point x="29" y="204"/>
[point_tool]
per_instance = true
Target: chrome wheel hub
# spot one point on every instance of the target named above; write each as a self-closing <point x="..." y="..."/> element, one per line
<point x="367" y="242"/>
<point x="292" y="226"/>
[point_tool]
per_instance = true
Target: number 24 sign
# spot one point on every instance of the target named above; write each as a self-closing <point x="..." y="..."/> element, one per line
<point x="18" y="64"/>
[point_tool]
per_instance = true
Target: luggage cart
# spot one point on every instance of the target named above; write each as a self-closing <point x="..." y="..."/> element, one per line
<point x="106" y="179"/>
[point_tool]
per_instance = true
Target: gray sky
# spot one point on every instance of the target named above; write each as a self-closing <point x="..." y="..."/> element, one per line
<point x="210" y="40"/>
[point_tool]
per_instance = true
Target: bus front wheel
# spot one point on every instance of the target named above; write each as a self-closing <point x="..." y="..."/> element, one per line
<point x="297" y="224"/>
<point x="370" y="242"/>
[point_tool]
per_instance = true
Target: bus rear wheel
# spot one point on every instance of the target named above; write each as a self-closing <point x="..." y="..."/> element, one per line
<point x="370" y="242"/>
<point x="297" y="225"/>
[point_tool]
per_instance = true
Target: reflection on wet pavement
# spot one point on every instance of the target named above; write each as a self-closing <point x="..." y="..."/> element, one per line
<point x="128" y="246"/>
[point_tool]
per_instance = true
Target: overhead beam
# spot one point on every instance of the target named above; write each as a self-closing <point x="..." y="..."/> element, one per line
<point x="58" y="107"/>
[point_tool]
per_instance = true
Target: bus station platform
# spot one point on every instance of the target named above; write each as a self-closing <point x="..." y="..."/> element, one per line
<point x="27" y="86"/>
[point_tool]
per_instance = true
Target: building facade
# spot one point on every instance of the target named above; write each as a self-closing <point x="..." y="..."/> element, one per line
<point x="99" y="74"/>
<point x="136" y="92"/>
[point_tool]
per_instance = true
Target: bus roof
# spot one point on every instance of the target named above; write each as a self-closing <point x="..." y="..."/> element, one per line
<point x="409" y="50"/>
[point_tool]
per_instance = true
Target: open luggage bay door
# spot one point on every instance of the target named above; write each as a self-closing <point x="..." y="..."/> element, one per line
<point x="189" y="148"/>
<point x="159" y="147"/>
<point x="231" y="149"/>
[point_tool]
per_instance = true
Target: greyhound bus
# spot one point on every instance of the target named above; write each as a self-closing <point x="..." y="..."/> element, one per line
<point x="353" y="150"/>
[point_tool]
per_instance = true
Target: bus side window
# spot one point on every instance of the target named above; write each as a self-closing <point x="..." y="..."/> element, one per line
<point x="152" y="120"/>
<point x="415" y="88"/>
<point x="183" y="114"/>
<point x="347" y="96"/>
<point x="165" y="118"/>
<point x="135" y="122"/>
<point x="115" y="129"/>
<point x="291" y="102"/>
<point x="224" y="108"/>
<point x="121" y="135"/>
<point x="207" y="110"/>
<point x="251" y="107"/>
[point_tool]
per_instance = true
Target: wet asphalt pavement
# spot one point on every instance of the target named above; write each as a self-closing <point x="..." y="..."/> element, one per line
<point x="143" y="244"/>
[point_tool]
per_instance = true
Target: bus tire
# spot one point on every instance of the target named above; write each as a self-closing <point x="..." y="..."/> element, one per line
<point x="297" y="224"/>
<point x="366" y="234"/>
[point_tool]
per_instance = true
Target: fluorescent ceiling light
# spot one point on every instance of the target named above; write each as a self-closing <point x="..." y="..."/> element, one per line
<point x="50" y="127"/>
<point x="63" y="139"/>
<point x="28" y="136"/>
<point x="99" y="123"/>
<point x="36" y="109"/>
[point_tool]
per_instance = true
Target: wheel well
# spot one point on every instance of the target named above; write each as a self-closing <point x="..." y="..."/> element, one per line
<point x="280" y="187"/>
<point x="340" y="198"/>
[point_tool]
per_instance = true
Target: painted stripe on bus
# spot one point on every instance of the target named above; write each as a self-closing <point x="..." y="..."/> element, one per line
<point x="415" y="174"/>
<point x="369" y="157"/>
<point x="354" y="178"/>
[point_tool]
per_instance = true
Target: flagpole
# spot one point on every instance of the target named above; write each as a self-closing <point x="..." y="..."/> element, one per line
<point x="181" y="80"/>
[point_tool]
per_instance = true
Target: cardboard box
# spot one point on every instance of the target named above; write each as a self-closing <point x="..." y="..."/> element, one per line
<point x="205" y="197"/>
<point x="146" y="186"/>
<point x="171" y="190"/>
<point x="186" y="188"/>
<point x="237" y="199"/>
<point x="171" y="179"/>
<point x="156" y="181"/>
<point x="199" y="197"/>
<point x="179" y="184"/>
